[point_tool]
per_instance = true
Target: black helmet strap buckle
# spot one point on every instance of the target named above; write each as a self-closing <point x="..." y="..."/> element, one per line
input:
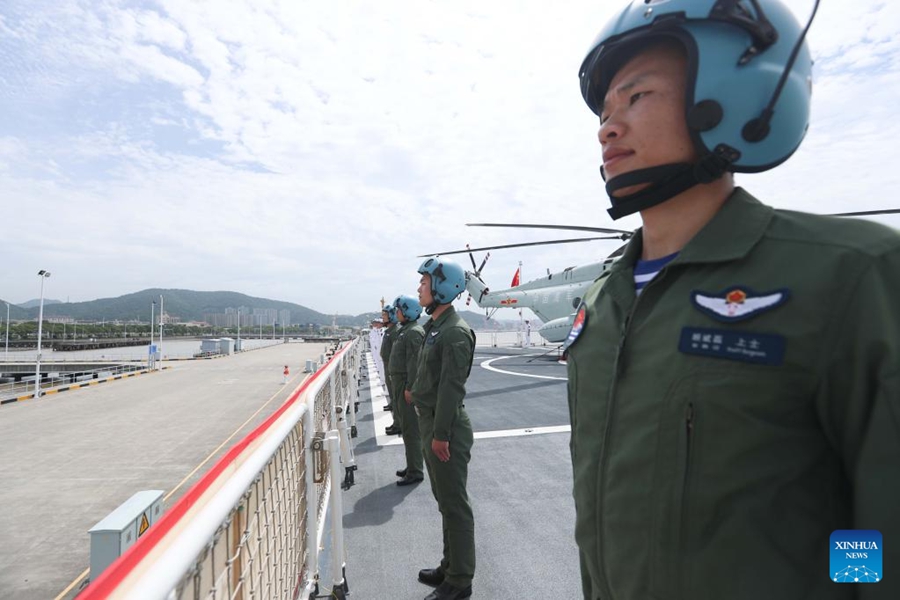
<point x="667" y="181"/>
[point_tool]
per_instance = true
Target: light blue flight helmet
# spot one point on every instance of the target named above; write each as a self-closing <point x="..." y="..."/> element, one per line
<point x="409" y="306"/>
<point x="391" y="313"/>
<point x="748" y="91"/>
<point x="448" y="280"/>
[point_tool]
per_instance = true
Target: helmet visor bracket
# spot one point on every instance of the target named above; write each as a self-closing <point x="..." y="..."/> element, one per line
<point x="760" y="29"/>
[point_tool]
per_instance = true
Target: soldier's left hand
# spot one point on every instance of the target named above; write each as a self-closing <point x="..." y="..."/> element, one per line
<point x="441" y="450"/>
<point x="407" y="395"/>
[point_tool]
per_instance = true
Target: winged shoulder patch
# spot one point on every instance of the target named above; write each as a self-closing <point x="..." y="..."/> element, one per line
<point x="738" y="303"/>
<point x="577" y="326"/>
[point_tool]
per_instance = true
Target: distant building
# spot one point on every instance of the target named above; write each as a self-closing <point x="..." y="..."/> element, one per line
<point x="248" y="317"/>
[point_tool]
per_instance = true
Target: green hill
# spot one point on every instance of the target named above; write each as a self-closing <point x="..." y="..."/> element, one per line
<point x="16" y="313"/>
<point x="188" y="305"/>
<point x="183" y="305"/>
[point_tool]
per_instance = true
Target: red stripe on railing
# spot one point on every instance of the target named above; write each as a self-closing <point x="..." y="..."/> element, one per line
<point x="118" y="570"/>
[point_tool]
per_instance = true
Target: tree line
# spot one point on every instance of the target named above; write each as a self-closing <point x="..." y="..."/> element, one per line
<point x="28" y="331"/>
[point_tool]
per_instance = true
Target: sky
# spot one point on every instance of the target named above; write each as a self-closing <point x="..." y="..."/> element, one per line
<point x="309" y="151"/>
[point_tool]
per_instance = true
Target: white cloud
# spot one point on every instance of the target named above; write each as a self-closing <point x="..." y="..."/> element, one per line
<point x="156" y="64"/>
<point x="309" y="151"/>
<point x="153" y="28"/>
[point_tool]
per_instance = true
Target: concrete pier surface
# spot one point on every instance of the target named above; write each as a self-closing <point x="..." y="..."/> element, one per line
<point x="69" y="459"/>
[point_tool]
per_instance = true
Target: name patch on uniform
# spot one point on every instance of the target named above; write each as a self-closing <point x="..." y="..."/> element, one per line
<point x="745" y="346"/>
<point x="430" y="339"/>
<point x="738" y="303"/>
<point x="577" y="326"/>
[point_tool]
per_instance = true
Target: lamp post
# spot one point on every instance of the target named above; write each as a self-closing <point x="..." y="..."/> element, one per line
<point x="37" y="369"/>
<point x="161" y="321"/>
<point x="6" y="356"/>
<point x="150" y="349"/>
<point x="239" y="330"/>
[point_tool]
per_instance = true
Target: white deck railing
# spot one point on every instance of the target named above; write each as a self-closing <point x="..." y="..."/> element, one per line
<point x="251" y="527"/>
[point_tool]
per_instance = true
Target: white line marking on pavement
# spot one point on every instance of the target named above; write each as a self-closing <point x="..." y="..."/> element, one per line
<point x="383" y="418"/>
<point x="481" y="435"/>
<point x="487" y="365"/>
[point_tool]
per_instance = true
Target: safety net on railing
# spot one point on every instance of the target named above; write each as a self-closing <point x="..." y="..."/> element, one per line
<point x="246" y="530"/>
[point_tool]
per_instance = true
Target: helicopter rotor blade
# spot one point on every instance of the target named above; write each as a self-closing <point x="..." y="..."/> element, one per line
<point x="863" y="213"/>
<point x="543" y="226"/>
<point x="476" y="271"/>
<point x="484" y="262"/>
<point x="590" y="239"/>
<point x="472" y="258"/>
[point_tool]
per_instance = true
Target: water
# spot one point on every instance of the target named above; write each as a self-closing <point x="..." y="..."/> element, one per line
<point x="175" y="348"/>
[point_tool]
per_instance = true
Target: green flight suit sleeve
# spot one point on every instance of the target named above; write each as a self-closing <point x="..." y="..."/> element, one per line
<point x="387" y="343"/>
<point x="414" y="339"/>
<point x="859" y="400"/>
<point x="457" y="352"/>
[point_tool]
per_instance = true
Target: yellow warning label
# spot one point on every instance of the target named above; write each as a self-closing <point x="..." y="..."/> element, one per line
<point x="145" y="525"/>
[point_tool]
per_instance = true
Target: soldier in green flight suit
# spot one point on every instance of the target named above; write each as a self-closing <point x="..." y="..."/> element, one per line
<point x="734" y="381"/>
<point x="438" y="393"/>
<point x="404" y="362"/>
<point x="389" y="317"/>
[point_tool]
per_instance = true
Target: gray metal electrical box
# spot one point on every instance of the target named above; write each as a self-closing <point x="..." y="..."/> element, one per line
<point x="121" y="528"/>
<point x="226" y="346"/>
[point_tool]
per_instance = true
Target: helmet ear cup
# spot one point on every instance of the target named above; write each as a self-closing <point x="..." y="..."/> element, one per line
<point x="705" y="115"/>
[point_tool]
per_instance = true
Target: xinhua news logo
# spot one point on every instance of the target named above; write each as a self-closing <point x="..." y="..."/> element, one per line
<point x="856" y="556"/>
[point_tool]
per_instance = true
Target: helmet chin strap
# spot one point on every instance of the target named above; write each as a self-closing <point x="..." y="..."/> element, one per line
<point x="431" y="307"/>
<point x="666" y="181"/>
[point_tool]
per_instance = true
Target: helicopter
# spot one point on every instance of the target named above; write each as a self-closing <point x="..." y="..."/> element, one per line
<point x="555" y="298"/>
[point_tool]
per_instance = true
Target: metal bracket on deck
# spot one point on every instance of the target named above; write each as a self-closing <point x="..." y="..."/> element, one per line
<point x="321" y="457"/>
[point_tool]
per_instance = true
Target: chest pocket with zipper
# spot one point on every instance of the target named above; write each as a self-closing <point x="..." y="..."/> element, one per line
<point x="735" y="440"/>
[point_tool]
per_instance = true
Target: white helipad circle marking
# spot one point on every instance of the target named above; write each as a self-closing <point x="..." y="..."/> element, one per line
<point x="487" y="365"/>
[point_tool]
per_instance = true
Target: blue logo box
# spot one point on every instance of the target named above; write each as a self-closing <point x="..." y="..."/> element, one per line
<point x="856" y="556"/>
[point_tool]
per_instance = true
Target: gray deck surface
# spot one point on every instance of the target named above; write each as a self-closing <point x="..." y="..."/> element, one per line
<point x="520" y="489"/>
